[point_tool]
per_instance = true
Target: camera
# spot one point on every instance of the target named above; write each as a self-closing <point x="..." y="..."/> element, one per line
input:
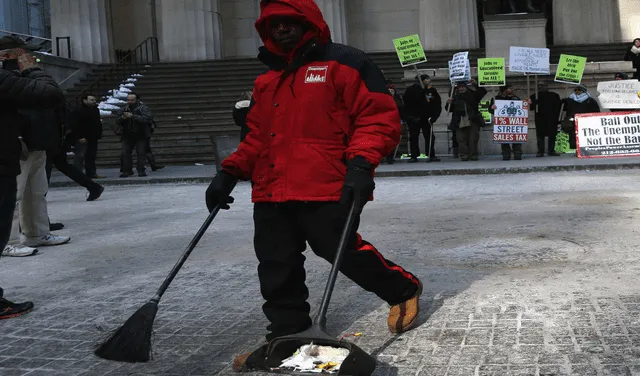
<point x="11" y="65"/>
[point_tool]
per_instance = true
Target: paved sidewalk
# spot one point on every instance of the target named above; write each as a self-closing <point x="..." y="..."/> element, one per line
<point x="487" y="165"/>
<point x="531" y="274"/>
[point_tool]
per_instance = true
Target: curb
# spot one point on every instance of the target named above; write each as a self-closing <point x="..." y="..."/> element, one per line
<point x="381" y="174"/>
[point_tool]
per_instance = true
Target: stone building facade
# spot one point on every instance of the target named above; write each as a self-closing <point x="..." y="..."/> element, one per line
<point x="212" y="29"/>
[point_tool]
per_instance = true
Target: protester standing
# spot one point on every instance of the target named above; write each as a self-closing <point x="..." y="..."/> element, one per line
<point x="466" y="119"/>
<point x="546" y="105"/>
<point x="423" y="107"/>
<point x="135" y="120"/>
<point x="633" y="55"/>
<point x="507" y="94"/>
<point x="579" y="102"/>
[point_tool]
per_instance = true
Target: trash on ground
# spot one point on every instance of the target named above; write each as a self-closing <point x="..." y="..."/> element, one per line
<point x="316" y="359"/>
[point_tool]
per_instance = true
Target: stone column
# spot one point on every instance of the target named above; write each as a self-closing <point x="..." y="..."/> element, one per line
<point x="189" y="29"/>
<point x="446" y="25"/>
<point x="335" y="16"/>
<point x="86" y="22"/>
<point x="584" y="21"/>
<point x="629" y="20"/>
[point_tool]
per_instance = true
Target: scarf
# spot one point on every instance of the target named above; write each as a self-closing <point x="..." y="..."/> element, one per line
<point x="635" y="50"/>
<point x="579" y="98"/>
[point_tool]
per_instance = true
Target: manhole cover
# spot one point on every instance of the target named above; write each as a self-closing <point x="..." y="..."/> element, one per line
<point x="509" y="252"/>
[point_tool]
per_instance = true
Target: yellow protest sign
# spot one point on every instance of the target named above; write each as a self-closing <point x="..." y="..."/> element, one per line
<point x="409" y="50"/>
<point x="491" y="72"/>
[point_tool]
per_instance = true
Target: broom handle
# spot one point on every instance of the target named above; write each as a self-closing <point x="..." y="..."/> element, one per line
<point x="321" y="318"/>
<point x="187" y="253"/>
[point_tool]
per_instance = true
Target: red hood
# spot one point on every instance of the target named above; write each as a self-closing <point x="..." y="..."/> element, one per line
<point x="305" y="10"/>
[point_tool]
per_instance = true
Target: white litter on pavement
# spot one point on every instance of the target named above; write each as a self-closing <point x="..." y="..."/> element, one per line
<point x="316" y="359"/>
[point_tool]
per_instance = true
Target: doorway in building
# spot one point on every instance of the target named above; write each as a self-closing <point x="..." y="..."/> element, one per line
<point x="546" y="6"/>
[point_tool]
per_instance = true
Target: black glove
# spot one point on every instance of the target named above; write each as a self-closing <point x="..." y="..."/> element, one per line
<point x="358" y="183"/>
<point x="219" y="191"/>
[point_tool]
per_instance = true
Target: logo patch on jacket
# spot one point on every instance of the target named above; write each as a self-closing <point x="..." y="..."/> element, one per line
<point x="316" y="75"/>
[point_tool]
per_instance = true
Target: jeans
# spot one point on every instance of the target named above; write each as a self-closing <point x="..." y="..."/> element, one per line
<point x="127" y="148"/>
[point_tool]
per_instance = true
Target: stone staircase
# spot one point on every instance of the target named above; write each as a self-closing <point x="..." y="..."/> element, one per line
<point x="191" y="101"/>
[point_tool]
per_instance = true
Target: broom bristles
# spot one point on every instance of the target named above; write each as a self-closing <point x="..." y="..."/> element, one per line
<point x="132" y="341"/>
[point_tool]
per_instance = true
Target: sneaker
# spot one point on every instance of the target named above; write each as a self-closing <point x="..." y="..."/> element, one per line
<point x="95" y="193"/>
<point x="403" y="316"/>
<point x="55" y="227"/>
<point x="46" y="241"/>
<point x="239" y="363"/>
<point x="18" y="251"/>
<point x="9" y="310"/>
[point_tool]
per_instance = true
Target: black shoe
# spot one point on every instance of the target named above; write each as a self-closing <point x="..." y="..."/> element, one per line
<point x="474" y="158"/>
<point x="434" y="159"/>
<point x="553" y="154"/>
<point x="413" y="160"/>
<point x="9" y="310"/>
<point x="517" y="157"/>
<point x="539" y="155"/>
<point x="55" y="226"/>
<point x="464" y="159"/>
<point x="126" y="174"/>
<point x="95" y="193"/>
<point x="391" y="161"/>
<point x="142" y="174"/>
<point x="506" y="157"/>
<point x="157" y="167"/>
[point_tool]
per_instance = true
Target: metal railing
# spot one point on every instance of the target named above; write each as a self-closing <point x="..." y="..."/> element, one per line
<point x="46" y="43"/>
<point x="133" y="62"/>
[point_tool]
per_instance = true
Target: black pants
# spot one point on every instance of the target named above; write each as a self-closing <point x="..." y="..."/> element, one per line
<point x="8" y="192"/>
<point x="281" y="234"/>
<point x="86" y="154"/>
<point x="468" y="138"/>
<point x="59" y="161"/>
<point x="507" y="149"/>
<point x="551" y="143"/>
<point x="414" y="138"/>
<point x="140" y="144"/>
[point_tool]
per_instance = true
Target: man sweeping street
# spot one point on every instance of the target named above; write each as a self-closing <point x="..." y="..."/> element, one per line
<point x="321" y="119"/>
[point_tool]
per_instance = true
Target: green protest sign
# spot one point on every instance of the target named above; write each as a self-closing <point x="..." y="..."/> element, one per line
<point x="570" y="69"/>
<point x="483" y="107"/>
<point x="491" y="72"/>
<point x="409" y="50"/>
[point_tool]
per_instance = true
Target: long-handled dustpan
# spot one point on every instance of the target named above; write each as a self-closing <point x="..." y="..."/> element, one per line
<point x="357" y="363"/>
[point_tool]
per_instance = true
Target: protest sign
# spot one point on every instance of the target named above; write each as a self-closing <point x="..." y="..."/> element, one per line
<point x="491" y="72"/>
<point x="483" y="107"/>
<point x="511" y="122"/>
<point x="570" y="69"/>
<point x="529" y="60"/>
<point x="459" y="67"/>
<point x="409" y="50"/>
<point x="621" y="94"/>
<point x="608" y="134"/>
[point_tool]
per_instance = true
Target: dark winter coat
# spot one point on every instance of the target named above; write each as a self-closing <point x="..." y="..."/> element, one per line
<point x="240" y="111"/>
<point x="401" y="107"/>
<point x="34" y="89"/>
<point x="547" y="106"/>
<point x="85" y="123"/>
<point x="423" y="104"/>
<point x="316" y="108"/>
<point x="138" y="126"/>
<point x="572" y="107"/>
<point x="468" y="102"/>
<point x="44" y="128"/>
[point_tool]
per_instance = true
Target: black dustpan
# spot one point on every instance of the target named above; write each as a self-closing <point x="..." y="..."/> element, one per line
<point x="358" y="363"/>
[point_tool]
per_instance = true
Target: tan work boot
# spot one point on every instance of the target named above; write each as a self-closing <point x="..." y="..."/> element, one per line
<point x="240" y="361"/>
<point x="403" y="316"/>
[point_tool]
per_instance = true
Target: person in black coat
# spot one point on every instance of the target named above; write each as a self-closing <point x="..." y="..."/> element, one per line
<point x="580" y="102"/>
<point x="633" y="55"/>
<point x="86" y="131"/>
<point x="466" y="119"/>
<point x="423" y="107"/>
<point x="30" y="88"/>
<point x="507" y="94"/>
<point x="547" y="106"/>
<point x="402" y="146"/>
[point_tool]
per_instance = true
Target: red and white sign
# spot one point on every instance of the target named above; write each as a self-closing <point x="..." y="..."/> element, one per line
<point x="608" y="134"/>
<point x="316" y="75"/>
<point x="511" y="122"/>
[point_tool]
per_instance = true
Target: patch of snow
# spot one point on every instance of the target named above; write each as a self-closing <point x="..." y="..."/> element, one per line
<point x="105" y="113"/>
<point x="124" y="89"/>
<point x="316" y="359"/>
<point x="129" y="85"/>
<point x="131" y="79"/>
<point x="107" y="106"/>
<point x="112" y="100"/>
<point x="137" y="75"/>
<point x="116" y="96"/>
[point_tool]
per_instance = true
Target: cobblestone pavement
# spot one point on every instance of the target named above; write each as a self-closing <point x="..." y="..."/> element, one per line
<point x="532" y="274"/>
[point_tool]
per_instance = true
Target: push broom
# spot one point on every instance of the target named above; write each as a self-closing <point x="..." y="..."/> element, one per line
<point x="132" y="341"/>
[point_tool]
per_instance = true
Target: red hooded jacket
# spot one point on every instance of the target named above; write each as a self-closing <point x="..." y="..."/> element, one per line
<point x="313" y="111"/>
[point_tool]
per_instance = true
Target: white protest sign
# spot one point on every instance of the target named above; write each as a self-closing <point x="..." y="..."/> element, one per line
<point x="459" y="67"/>
<point x="511" y="122"/>
<point x="529" y="60"/>
<point x="612" y="134"/>
<point x="621" y="94"/>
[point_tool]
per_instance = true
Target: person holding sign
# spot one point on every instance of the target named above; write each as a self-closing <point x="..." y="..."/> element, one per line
<point x="466" y="119"/>
<point x="580" y="102"/>
<point x="423" y="107"/>
<point x="507" y="94"/>
<point x="547" y="106"/>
